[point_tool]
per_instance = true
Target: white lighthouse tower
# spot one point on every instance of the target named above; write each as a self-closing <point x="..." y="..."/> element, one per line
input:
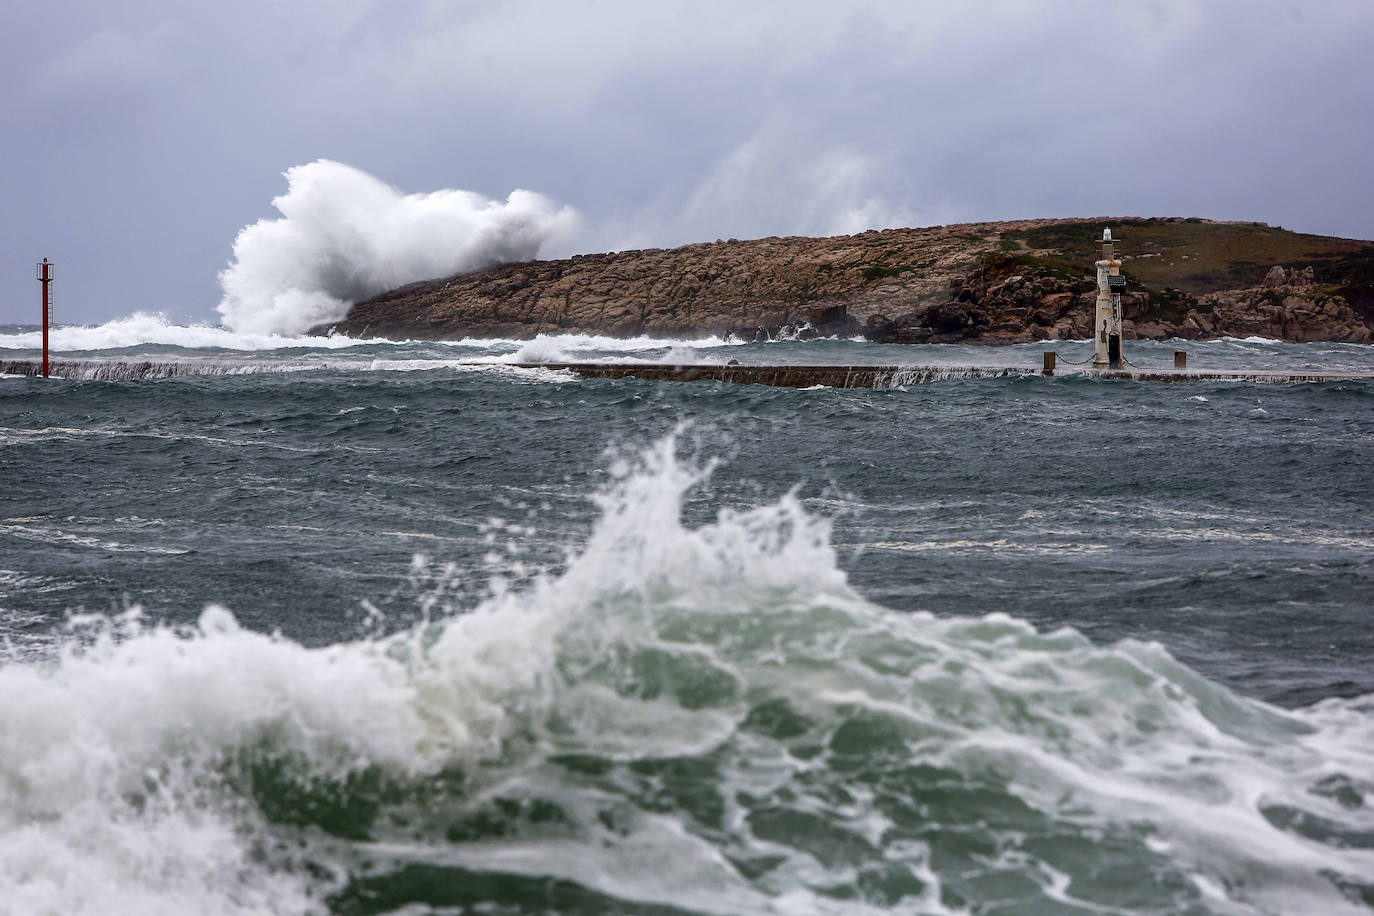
<point x="1107" y="322"/>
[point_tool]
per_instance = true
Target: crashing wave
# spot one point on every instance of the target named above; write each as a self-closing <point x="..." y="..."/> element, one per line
<point x="701" y="719"/>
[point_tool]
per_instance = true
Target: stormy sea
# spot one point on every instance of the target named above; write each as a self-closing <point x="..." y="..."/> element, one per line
<point x="367" y="627"/>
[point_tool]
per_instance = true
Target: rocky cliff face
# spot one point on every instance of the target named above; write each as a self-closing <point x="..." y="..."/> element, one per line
<point x="987" y="282"/>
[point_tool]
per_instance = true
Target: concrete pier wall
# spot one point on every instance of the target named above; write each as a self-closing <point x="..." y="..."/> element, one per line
<point x="780" y="375"/>
<point x="894" y="376"/>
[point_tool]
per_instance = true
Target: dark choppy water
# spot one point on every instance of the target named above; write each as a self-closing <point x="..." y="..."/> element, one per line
<point x="485" y="640"/>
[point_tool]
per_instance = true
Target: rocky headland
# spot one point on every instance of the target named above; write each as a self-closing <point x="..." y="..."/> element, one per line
<point x="995" y="283"/>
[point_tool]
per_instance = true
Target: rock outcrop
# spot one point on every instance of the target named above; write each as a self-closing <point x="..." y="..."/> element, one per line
<point x="986" y="283"/>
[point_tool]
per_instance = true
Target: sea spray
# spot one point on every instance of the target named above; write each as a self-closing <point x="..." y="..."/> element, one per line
<point x="142" y="329"/>
<point x="344" y="236"/>
<point x="696" y="719"/>
<point x="153" y="333"/>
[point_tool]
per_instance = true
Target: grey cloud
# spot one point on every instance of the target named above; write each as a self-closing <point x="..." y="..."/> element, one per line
<point x="150" y="133"/>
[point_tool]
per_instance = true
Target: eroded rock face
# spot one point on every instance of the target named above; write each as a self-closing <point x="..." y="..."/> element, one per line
<point x="1278" y="278"/>
<point x="980" y="283"/>
<point x="1274" y="314"/>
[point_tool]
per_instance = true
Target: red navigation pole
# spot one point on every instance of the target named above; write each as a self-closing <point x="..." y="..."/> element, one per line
<point x="45" y="277"/>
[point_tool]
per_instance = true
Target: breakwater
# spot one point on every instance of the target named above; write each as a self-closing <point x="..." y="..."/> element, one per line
<point x="785" y="376"/>
<point x="109" y="370"/>
<point x="861" y="376"/>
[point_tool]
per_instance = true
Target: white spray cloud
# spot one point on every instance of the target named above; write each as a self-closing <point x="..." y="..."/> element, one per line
<point x="345" y="236"/>
<point x="778" y="181"/>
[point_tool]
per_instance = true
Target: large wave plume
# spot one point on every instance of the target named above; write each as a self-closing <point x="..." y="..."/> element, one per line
<point x="344" y="236"/>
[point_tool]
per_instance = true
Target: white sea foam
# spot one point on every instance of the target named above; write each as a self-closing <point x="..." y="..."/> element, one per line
<point x="663" y="644"/>
<point x="154" y="329"/>
<point x="1253" y="339"/>
<point x="575" y="347"/>
<point x="542" y="350"/>
<point x="144" y="328"/>
<point x="344" y="236"/>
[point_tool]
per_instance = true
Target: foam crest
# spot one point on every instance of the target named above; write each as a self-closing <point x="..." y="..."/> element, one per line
<point x="103" y="760"/>
<point x="144" y="328"/>
<point x="120" y="767"/>
<point x="740" y="642"/>
<point x="549" y="348"/>
<point x="541" y="350"/>
<point x="641" y="543"/>
<point x="344" y="236"/>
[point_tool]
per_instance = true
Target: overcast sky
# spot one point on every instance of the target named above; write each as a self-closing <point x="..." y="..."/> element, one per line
<point x="140" y="136"/>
